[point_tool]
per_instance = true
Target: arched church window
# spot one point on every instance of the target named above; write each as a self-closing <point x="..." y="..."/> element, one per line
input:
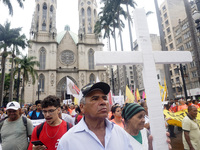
<point x="43" y="26"/>
<point x="41" y="82"/>
<point x="51" y="9"/>
<point x="89" y="20"/>
<point x="92" y="78"/>
<point x="95" y="14"/>
<point x="38" y="7"/>
<point x="42" y="59"/>
<point x="83" y="19"/>
<point x="91" y="59"/>
<point x="44" y="15"/>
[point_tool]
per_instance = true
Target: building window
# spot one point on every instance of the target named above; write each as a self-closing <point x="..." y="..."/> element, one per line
<point x="164" y="8"/>
<point x="91" y="59"/>
<point x="179" y="40"/>
<point x="178" y="31"/>
<point x="194" y="74"/>
<point x="44" y="16"/>
<point x="166" y="23"/>
<point x="83" y="19"/>
<point x="95" y="15"/>
<point x="171" y="46"/>
<point x="92" y="78"/>
<point x="187" y="35"/>
<point x="38" y="7"/>
<point x="41" y="82"/>
<point x="181" y="48"/>
<point x="158" y="76"/>
<point x="192" y="64"/>
<point x="176" y="71"/>
<point x="168" y="30"/>
<point x="185" y="26"/>
<point x="170" y="72"/>
<point x="89" y="20"/>
<point x="165" y="15"/>
<point x="177" y="80"/>
<point x="42" y="59"/>
<point x="169" y="38"/>
<point x="188" y="44"/>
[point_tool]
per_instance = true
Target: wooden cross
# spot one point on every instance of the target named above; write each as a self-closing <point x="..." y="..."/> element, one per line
<point x="148" y="59"/>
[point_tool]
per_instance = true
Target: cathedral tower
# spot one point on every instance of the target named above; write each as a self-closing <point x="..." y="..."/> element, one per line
<point x="88" y="43"/>
<point x="44" y="20"/>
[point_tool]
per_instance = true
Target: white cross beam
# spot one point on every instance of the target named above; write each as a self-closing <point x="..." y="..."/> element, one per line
<point x="148" y="58"/>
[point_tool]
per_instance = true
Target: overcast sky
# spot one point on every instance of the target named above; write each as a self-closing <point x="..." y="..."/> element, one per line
<point x="67" y="14"/>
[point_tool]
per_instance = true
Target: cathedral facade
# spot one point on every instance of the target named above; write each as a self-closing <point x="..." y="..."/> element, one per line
<point x="63" y="54"/>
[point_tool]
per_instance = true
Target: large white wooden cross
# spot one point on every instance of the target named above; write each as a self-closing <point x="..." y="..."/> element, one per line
<point x="148" y="58"/>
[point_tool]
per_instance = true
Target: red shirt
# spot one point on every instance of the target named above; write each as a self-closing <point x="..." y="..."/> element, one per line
<point x="49" y="140"/>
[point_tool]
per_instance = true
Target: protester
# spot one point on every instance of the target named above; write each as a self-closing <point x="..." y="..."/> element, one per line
<point x="52" y="129"/>
<point x="95" y="131"/>
<point x="182" y="105"/>
<point x="2" y="114"/>
<point x="36" y="114"/>
<point x="72" y="110"/>
<point x="79" y="115"/>
<point x="191" y="131"/>
<point x="16" y="129"/>
<point x="117" y="116"/>
<point x="146" y="124"/>
<point x="66" y="117"/>
<point x="134" y="117"/>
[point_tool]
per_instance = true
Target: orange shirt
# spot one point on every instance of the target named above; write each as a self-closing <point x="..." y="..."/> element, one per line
<point x="182" y="107"/>
<point x="120" y="124"/>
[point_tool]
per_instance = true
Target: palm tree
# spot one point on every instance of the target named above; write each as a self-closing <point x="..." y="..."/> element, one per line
<point x="9" y="5"/>
<point x="21" y="41"/>
<point x="7" y="36"/>
<point x="27" y="70"/>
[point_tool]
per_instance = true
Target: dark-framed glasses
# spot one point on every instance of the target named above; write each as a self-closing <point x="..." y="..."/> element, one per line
<point x="50" y="111"/>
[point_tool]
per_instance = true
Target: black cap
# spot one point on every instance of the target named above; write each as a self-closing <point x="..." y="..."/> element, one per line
<point x="104" y="87"/>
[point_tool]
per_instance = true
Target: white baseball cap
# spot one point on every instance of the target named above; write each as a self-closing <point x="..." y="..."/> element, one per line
<point x="13" y="105"/>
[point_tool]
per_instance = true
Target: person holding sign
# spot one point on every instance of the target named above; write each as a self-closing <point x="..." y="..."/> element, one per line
<point x="191" y="131"/>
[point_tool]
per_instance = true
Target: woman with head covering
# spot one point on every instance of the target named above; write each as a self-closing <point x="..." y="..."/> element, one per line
<point x="117" y="116"/>
<point x="134" y="117"/>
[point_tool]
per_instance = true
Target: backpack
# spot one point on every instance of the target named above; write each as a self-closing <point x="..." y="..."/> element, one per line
<point x="39" y="128"/>
<point x="24" y="121"/>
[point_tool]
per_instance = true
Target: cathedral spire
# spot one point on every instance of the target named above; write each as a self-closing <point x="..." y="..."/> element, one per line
<point x="87" y="16"/>
<point x="44" y="18"/>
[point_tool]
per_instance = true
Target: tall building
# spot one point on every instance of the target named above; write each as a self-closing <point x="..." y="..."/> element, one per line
<point x="171" y="11"/>
<point x="63" y="54"/>
<point x="184" y="42"/>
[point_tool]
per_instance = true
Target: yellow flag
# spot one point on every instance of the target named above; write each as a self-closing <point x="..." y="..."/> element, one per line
<point x="137" y="95"/>
<point x="164" y="96"/>
<point x="75" y="101"/>
<point x="130" y="98"/>
<point x="161" y="89"/>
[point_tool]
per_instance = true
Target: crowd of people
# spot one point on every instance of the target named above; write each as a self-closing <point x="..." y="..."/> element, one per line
<point x="92" y="124"/>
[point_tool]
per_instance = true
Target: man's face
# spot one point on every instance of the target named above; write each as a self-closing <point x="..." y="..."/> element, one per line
<point x="96" y="105"/>
<point x="34" y="107"/>
<point x="51" y="114"/>
<point x="193" y="112"/>
<point x="13" y="114"/>
<point x="39" y="107"/>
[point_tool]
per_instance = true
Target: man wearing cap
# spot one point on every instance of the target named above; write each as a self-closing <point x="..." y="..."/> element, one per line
<point x="94" y="131"/>
<point x="13" y="131"/>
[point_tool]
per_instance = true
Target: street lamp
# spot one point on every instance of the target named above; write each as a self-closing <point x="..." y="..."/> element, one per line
<point x="183" y="79"/>
<point x="196" y="17"/>
<point x="19" y="69"/>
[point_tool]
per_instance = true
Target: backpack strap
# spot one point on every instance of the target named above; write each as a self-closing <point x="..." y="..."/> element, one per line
<point x="25" y="124"/>
<point x="39" y="129"/>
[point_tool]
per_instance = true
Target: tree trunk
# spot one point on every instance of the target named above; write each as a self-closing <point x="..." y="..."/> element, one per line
<point x="11" y="80"/>
<point x="3" y="61"/>
<point x="22" y="93"/>
<point x="131" y="43"/>
<point x="122" y="49"/>
<point x="162" y="40"/>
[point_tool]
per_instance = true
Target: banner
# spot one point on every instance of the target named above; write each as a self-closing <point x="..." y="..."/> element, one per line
<point x="177" y="117"/>
<point x="137" y="95"/>
<point x="118" y="99"/>
<point x="72" y="89"/>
